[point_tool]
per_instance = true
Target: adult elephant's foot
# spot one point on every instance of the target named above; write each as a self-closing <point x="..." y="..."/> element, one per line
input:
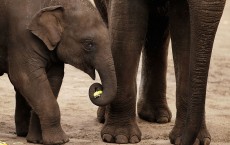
<point x="121" y="133"/>
<point x="154" y="111"/>
<point x="117" y="129"/>
<point x="203" y="137"/>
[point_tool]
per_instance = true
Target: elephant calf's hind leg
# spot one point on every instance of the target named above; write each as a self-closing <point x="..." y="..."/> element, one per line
<point x="22" y="115"/>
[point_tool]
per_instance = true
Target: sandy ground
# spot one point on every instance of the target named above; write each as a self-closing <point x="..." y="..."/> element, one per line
<point x="79" y="114"/>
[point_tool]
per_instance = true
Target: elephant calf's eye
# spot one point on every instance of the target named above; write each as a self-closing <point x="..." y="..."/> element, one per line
<point x="88" y="45"/>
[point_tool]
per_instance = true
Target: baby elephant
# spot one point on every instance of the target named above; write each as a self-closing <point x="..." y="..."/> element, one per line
<point x="36" y="38"/>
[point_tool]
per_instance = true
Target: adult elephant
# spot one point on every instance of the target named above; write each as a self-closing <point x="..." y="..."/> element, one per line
<point x="133" y="24"/>
<point x="36" y="38"/>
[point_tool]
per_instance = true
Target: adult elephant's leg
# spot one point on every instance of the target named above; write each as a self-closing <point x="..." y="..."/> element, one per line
<point x="127" y="25"/>
<point x="192" y="45"/>
<point x="55" y="75"/>
<point x="152" y="104"/>
<point x="180" y="36"/>
<point x="102" y="6"/>
<point x="204" y="17"/>
<point x="22" y="115"/>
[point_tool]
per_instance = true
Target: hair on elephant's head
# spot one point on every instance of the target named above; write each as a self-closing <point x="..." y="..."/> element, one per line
<point x="79" y="37"/>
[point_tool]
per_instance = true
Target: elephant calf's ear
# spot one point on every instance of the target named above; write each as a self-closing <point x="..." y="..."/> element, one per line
<point x="46" y="25"/>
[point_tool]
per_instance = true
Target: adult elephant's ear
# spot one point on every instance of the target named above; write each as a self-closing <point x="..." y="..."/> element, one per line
<point x="47" y="25"/>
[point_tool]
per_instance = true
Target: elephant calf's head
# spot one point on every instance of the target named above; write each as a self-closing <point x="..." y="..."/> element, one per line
<point x="81" y="39"/>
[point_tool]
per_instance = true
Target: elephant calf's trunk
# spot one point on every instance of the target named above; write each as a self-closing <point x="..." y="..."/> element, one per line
<point x="100" y="97"/>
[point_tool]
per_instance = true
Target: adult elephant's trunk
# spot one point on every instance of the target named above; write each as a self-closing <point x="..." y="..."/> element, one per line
<point x="109" y="84"/>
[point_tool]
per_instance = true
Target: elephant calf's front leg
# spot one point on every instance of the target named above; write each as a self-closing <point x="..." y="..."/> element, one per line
<point x="55" y="75"/>
<point x="37" y="91"/>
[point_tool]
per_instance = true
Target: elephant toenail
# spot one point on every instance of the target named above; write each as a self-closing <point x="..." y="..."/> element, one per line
<point x="178" y="141"/>
<point x="207" y="141"/>
<point x="107" y="138"/>
<point x="197" y="142"/>
<point x="134" y="139"/>
<point x="162" y="120"/>
<point x="121" y="139"/>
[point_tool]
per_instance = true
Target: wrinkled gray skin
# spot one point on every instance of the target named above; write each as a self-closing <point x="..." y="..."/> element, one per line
<point x="36" y="38"/>
<point x="147" y="24"/>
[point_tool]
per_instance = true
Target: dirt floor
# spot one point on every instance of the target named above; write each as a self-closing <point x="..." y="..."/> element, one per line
<point x="79" y="114"/>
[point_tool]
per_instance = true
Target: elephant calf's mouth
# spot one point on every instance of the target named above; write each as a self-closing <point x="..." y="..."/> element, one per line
<point x="91" y="72"/>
